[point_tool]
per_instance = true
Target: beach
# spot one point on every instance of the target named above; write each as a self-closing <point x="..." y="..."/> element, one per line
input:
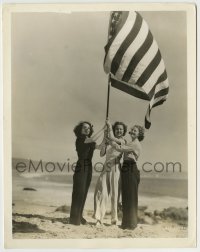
<point x="71" y="69"/>
<point x="41" y="207"/>
<point x="44" y="222"/>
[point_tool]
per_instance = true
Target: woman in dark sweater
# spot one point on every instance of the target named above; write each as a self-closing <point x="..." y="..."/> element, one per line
<point x="83" y="171"/>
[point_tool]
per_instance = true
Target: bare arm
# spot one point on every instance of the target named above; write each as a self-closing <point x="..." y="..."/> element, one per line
<point x="116" y="140"/>
<point x="120" y="148"/>
<point x="95" y="137"/>
<point x="111" y="136"/>
<point x="90" y="140"/>
<point x="125" y="148"/>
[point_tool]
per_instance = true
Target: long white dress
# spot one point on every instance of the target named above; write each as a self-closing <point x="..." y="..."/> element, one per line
<point x="108" y="186"/>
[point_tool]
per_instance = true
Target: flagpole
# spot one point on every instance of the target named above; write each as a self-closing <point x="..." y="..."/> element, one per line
<point x="108" y="98"/>
<point x="108" y="92"/>
<point x="107" y="108"/>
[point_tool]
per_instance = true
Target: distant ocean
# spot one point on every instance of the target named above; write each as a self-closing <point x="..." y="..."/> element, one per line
<point x="56" y="188"/>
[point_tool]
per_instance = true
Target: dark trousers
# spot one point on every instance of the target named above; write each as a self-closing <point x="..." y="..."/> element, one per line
<point x="130" y="178"/>
<point x="81" y="182"/>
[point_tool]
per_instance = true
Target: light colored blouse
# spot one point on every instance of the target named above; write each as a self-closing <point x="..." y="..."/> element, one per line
<point x="131" y="150"/>
<point x="113" y="156"/>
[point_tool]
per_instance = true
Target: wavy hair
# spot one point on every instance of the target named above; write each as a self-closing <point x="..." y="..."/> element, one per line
<point x="78" y="129"/>
<point x="119" y="123"/>
<point x="141" y="132"/>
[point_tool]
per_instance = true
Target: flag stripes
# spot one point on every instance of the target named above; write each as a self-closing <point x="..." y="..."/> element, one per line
<point x="131" y="50"/>
<point x="161" y="83"/>
<point x="133" y="59"/>
<point x="141" y="52"/>
<point x="125" y="44"/>
<point x="113" y="33"/>
<point x="162" y="92"/>
<point x="149" y="69"/>
<point x="150" y="83"/>
<point x="130" y="89"/>
<point x="119" y="36"/>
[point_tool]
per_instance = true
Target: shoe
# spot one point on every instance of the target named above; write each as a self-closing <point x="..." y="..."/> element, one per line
<point x="128" y="227"/>
<point x="83" y="221"/>
<point x="72" y="222"/>
<point x="114" y="223"/>
<point x="98" y="223"/>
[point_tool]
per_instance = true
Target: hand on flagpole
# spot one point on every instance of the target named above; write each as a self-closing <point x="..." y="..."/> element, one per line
<point x="108" y="124"/>
<point x="109" y="132"/>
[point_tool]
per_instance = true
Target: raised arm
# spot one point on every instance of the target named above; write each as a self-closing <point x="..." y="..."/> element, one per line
<point x="120" y="148"/>
<point x="126" y="148"/>
<point x="96" y="136"/>
<point x="111" y="136"/>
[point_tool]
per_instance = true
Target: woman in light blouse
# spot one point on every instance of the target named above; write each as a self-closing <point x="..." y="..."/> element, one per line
<point x="130" y="175"/>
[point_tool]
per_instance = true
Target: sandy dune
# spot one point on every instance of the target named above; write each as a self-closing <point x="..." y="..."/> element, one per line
<point x="44" y="222"/>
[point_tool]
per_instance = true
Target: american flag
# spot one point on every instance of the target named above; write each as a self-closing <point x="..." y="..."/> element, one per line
<point x="134" y="61"/>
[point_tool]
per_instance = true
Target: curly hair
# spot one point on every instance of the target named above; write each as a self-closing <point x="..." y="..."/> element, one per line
<point x="120" y="123"/>
<point x="78" y="128"/>
<point x="141" y="132"/>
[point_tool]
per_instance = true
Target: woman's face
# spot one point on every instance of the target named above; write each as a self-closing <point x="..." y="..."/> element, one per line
<point x="134" y="133"/>
<point x="119" y="131"/>
<point x="85" y="129"/>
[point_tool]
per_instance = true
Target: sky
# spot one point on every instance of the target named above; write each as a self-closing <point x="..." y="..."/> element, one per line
<point x="58" y="80"/>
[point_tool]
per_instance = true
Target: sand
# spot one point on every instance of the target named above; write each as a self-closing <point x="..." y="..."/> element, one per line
<point x="34" y="221"/>
<point x="162" y="214"/>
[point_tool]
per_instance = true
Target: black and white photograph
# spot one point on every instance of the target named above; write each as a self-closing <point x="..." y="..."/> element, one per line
<point x="100" y="108"/>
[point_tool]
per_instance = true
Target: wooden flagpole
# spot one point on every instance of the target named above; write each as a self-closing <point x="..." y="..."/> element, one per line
<point x="107" y="108"/>
<point x="108" y="92"/>
<point x="108" y="98"/>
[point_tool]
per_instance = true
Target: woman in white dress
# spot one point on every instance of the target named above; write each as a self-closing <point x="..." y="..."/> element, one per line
<point x="108" y="181"/>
